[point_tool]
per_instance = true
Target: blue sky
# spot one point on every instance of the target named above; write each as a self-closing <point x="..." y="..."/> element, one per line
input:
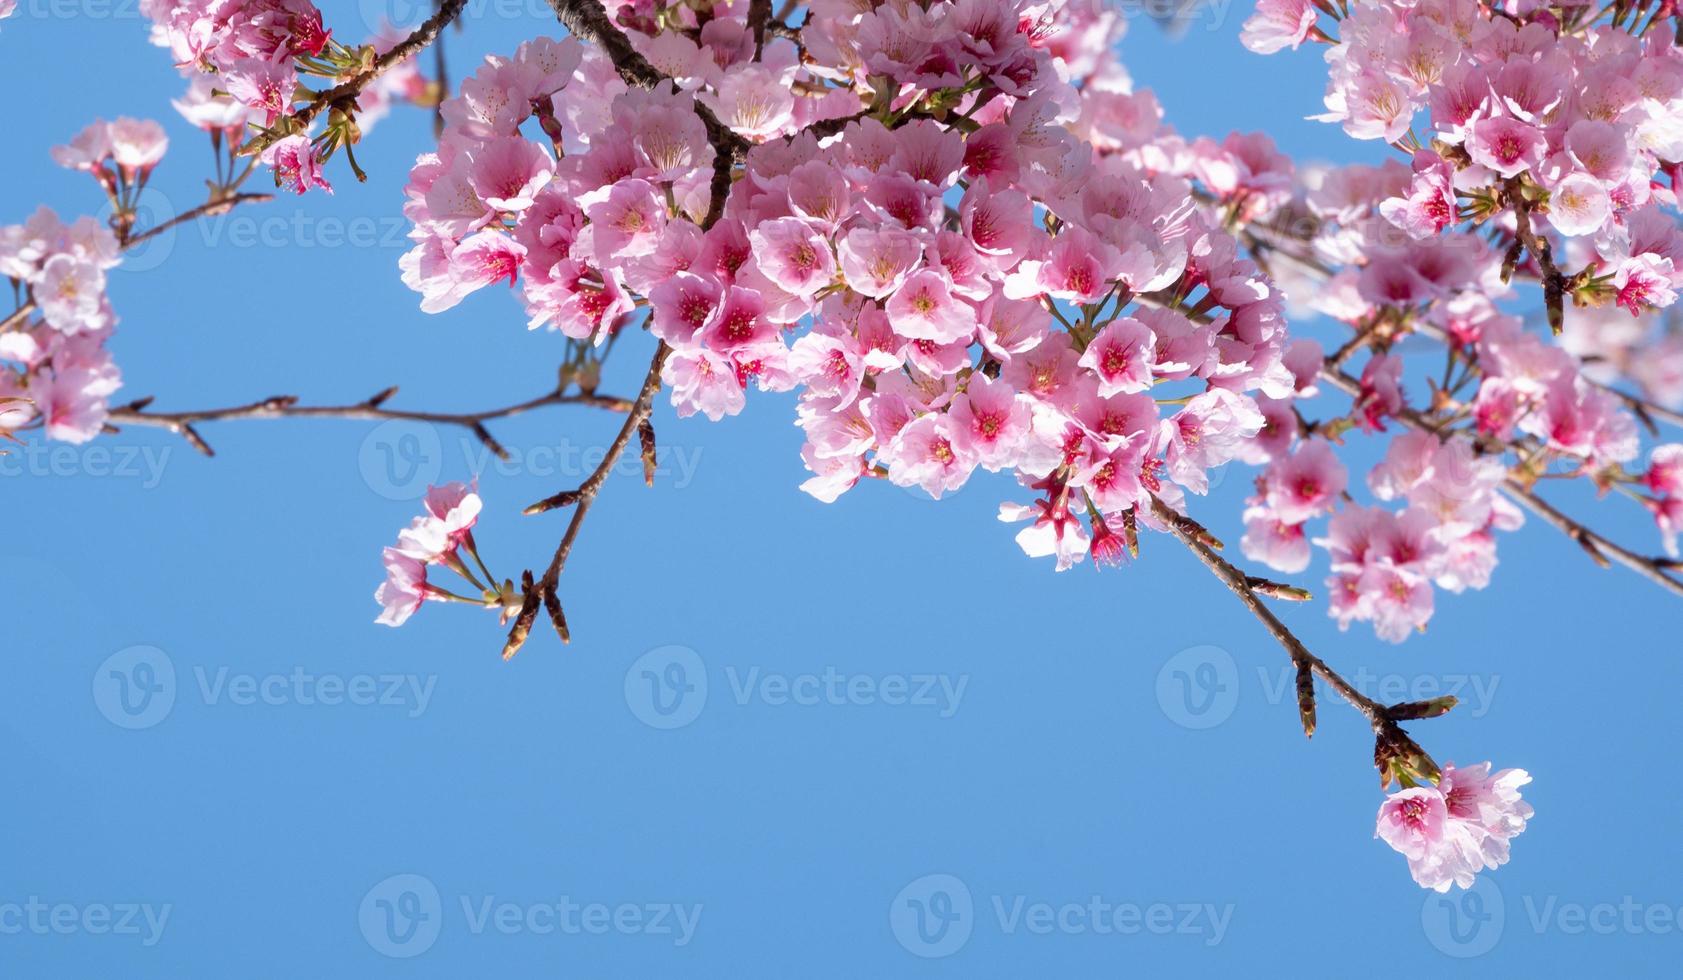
<point x="902" y="749"/>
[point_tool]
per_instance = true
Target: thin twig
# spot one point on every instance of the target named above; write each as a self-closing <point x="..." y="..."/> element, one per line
<point x="1192" y="535"/>
<point x="286" y="406"/>
<point x="209" y="209"/>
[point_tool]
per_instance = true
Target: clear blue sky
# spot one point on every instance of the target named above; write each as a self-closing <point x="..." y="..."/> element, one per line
<point x="1041" y="768"/>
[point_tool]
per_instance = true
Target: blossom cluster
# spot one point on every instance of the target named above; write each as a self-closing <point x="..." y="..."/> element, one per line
<point x="253" y="54"/>
<point x="1547" y="140"/>
<point x="945" y="298"/>
<point x="1664" y="481"/>
<point x="1571" y="120"/>
<point x="1462" y="825"/>
<point x="434" y="538"/>
<point x="54" y="368"/>
<point x="253" y="46"/>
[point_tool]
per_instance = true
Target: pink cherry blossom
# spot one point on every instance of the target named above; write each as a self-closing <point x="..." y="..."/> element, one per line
<point x="295" y="162"/>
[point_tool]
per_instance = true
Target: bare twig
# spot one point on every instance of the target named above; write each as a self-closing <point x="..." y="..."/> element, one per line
<point x="211" y="208"/>
<point x="1195" y="538"/>
<point x="286" y="406"/>
<point x="585" y="495"/>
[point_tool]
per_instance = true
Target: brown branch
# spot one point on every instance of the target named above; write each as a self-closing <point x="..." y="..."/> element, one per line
<point x="209" y="209"/>
<point x="587" y="21"/>
<point x="424" y="35"/>
<point x="1196" y="539"/>
<point x="585" y="495"/>
<point x="1554" y="284"/>
<point x="759" y="12"/>
<point x="1396" y="755"/>
<point x="18" y="316"/>
<point x="286" y="406"/>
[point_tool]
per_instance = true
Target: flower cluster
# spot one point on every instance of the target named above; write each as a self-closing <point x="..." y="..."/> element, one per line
<point x="54" y="368"/>
<point x="251" y="55"/>
<point x="963" y="295"/>
<point x="255" y="47"/>
<point x="1664" y="480"/>
<point x="437" y="537"/>
<point x="1612" y="347"/>
<point x="1453" y="830"/>
<point x="1564" y="121"/>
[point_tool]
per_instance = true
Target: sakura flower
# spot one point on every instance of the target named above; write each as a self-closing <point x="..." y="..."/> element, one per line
<point x="628" y="222"/>
<point x="990" y="421"/>
<point x="923" y="308"/>
<point x="1207" y="432"/>
<point x="90" y="148"/>
<point x="507" y="173"/>
<point x="1274" y="542"/>
<point x="875" y="263"/>
<point x="1665" y="469"/>
<point x="793" y="255"/>
<point x="1078" y="268"/>
<point x="204" y="107"/>
<point x="1507" y="146"/>
<point x="137" y="144"/>
<point x="926" y="453"/>
<point x="1415" y="822"/>
<point x="1121" y="355"/>
<point x="1451" y="831"/>
<point x="294" y="161"/>
<point x="71" y="293"/>
<point x="1430" y="206"/>
<point x="1304" y="484"/>
<point x="1579" y="205"/>
<point x="1278" y="24"/>
<point x="702" y="381"/>
<point x="753" y="102"/>
<point x="485" y="258"/>
<point x="404" y="589"/>
<point x="1644" y="281"/>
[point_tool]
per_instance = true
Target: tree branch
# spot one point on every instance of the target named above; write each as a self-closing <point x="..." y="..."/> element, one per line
<point x="211" y="208"/>
<point x="1196" y="540"/>
<point x="286" y="406"/>
<point x="424" y="35"/>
